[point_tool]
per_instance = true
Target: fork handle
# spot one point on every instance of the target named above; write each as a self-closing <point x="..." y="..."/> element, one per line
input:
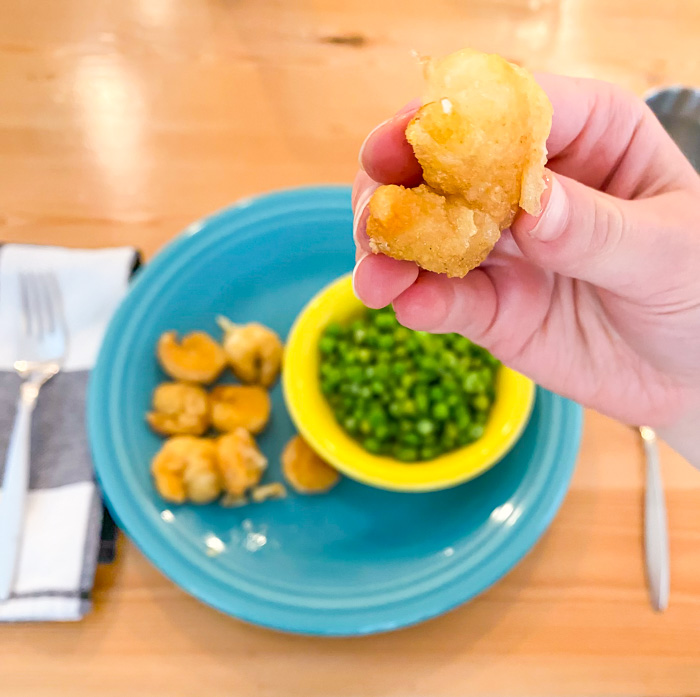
<point x="14" y="488"/>
<point x="656" y="530"/>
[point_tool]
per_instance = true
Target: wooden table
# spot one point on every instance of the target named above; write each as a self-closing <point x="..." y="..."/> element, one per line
<point x="121" y="121"/>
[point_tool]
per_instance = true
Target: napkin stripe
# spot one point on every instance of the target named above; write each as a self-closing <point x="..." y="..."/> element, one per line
<point x="81" y="594"/>
<point x="60" y="453"/>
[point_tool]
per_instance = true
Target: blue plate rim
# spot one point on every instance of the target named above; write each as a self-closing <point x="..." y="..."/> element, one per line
<point x="146" y="538"/>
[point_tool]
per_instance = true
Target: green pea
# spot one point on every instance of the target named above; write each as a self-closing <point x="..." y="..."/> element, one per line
<point x="441" y="411"/>
<point x="353" y="373"/>
<point x="471" y="383"/>
<point x="407" y="381"/>
<point x="408" y="407"/>
<point x="394" y="409"/>
<point x="476" y="431"/>
<point x="401" y="334"/>
<point x="385" y="341"/>
<point x="452" y="400"/>
<point x="350" y="424"/>
<point x="411" y="438"/>
<point x="428" y="452"/>
<point x="422" y="402"/>
<point x="365" y="427"/>
<point x="400" y="351"/>
<point x="406" y="454"/>
<point x="364" y="355"/>
<point x="428" y="364"/>
<point x="370" y="372"/>
<point x="398" y="369"/>
<point x="371" y="336"/>
<point x="365" y="392"/>
<point x="425" y="427"/>
<point x="460" y="344"/>
<point x="406" y="426"/>
<point x="382" y="432"/>
<point x="437" y="394"/>
<point x="412" y="345"/>
<point x="481" y="402"/>
<point x="377" y="417"/>
<point x="381" y="371"/>
<point x="334" y="330"/>
<point x="372" y="445"/>
<point x="400" y="394"/>
<point x="385" y="320"/>
<point x="327" y="344"/>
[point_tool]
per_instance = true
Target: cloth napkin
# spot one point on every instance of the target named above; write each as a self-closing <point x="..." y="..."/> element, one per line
<point x="63" y="514"/>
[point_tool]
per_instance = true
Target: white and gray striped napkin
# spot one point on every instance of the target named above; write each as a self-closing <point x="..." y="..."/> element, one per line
<point x="63" y="517"/>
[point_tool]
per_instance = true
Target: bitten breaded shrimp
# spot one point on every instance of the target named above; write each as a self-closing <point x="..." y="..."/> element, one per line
<point x="254" y="351"/>
<point x="197" y="358"/>
<point x="305" y="471"/>
<point x="179" y="409"/>
<point x="185" y="469"/>
<point x="480" y="138"/>
<point x="234" y="406"/>
<point x="241" y="463"/>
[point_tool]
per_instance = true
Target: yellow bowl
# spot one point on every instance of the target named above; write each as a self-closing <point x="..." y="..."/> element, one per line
<point x="314" y="418"/>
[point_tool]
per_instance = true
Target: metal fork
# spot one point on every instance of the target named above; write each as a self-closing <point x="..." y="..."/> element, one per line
<point x="42" y="344"/>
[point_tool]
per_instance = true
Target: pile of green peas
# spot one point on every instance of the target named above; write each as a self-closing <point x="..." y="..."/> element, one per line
<point x="407" y="394"/>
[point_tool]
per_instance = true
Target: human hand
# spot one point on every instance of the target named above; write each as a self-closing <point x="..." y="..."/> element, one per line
<point x="598" y="298"/>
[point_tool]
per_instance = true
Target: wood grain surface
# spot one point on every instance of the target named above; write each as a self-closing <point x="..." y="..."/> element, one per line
<point x="122" y="121"/>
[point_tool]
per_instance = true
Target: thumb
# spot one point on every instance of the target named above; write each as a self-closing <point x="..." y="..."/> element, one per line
<point x="586" y="234"/>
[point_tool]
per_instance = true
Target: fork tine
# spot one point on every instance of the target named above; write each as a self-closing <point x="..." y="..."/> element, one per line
<point x="46" y="302"/>
<point x="24" y="297"/>
<point x="57" y="297"/>
<point x="35" y="312"/>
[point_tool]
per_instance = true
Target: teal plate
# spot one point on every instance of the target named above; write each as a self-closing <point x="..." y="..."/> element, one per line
<point x="357" y="560"/>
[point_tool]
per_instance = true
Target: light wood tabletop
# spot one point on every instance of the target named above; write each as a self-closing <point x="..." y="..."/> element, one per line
<point x="121" y="121"/>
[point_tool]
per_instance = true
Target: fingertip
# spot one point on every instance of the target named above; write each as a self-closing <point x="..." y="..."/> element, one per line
<point x="378" y="279"/>
<point x="425" y="305"/>
<point x="386" y="156"/>
<point x="359" y="223"/>
<point x="362" y="182"/>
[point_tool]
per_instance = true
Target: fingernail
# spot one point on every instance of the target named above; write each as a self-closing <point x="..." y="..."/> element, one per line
<point x="360" y="157"/>
<point x="555" y="207"/>
<point x="354" y="273"/>
<point x="361" y="208"/>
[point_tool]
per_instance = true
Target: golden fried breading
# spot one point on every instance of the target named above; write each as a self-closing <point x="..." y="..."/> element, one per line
<point x="179" y="409"/>
<point x="254" y="352"/>
<point x="480" y="138"/>
<point x="240" y="462"/>
<point x="185" y="469"/>
<point x="434" y="231"/>
<point x="197" y="358"/>
<point x="305" y="470"/>
<point x="234" y="406"/>
<point x="268" y="492"/>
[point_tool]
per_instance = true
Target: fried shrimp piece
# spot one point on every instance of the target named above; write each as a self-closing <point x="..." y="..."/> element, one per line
<point x="197" y="358"/>
<point x="185" y="469"/>
<point x="480" y="138"/>
<point x="240" y="462"/>
<point x="234" y="406"/>
<point x="440" y="233"/>
<point x="179" y="409"/>
<point x="305" y="471"/>
<point x="268" y="492"/>
<point x="254" y="352"/>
